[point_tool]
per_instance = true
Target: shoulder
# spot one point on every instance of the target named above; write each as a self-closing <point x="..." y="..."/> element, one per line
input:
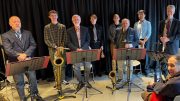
<point x="47" y="26"/>
<point x="84" y="28"/>
<point x="26" y="31"/>
<point x="70" y="29"/>
<point x="148" y="22"/>
<point x="61" y="25"/>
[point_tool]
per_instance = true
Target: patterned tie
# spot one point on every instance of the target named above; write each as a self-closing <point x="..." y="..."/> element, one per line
<point x="95" y="33"/>
<point x="18" y="35"/>
<point x="168" y="26"/>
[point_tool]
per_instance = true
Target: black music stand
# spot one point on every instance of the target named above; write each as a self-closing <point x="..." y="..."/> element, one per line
<point x="82" y="57"/>
<point x="13" y="68"/>
<point x="129" y="54"/>
<point x="159" y="57"/>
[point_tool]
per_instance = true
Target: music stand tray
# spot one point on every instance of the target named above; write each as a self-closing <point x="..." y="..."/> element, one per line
<point x="32" y="64"/>
<point x="82" y="57"/>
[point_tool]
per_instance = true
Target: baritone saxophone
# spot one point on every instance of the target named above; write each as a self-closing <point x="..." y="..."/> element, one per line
<point x="58" y="62"/>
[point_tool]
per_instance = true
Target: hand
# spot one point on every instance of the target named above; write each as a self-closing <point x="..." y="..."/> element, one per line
<point x="142" y="43"/>
<point x="78" y="49"/>
<point x="164" y="39"/>
<point x="128" y="46"/>
<point x="61" y="49"/>
<point x="22" y="57"/>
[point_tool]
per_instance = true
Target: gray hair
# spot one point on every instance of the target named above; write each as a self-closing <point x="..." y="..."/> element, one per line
<point x="76" y="16"/>
<point x="171" y="7"/>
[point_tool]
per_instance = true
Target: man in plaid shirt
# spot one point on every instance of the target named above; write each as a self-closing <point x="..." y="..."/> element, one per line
<point x="55" y="37"/>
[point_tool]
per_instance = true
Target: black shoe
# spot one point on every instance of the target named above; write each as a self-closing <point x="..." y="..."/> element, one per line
<point x="50" y="79"/>
<point x="37" y="97"/>
<point x="119" y="80"/>
<point x="65" y="82"/>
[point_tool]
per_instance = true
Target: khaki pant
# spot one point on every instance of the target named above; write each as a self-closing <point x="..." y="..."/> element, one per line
<point x="122" y="69"/>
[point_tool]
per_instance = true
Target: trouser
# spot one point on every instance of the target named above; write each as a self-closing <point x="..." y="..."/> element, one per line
<point x="123" y="69"/>
<point x="19" y="80"/>
<point x="79" y="67"/>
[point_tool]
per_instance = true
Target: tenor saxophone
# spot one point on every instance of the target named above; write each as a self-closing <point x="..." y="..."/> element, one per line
<point x="112" y="74"/>
<point x="58" y="62"/>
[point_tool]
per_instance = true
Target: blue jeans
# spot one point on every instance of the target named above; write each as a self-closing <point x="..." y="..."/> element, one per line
<point x="19" y="80"/>
<point x="77" y="70"/>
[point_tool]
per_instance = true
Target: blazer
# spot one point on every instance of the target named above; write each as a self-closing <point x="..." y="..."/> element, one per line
<point x="13" y="46"/>
<point x="131" y="36"/>
<point x="96" y="44"/>
<point x="174" y="35"/>
<point x="146" y="29"/>
<point x="73" y="43"/>
<point x="113" y="30"/>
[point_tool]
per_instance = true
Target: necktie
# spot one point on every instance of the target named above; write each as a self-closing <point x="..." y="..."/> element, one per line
<point x="168" y="26"/>
<point x="18" y="35"/>
<point x="95" y="33"/>
<point x="78" y="35"/>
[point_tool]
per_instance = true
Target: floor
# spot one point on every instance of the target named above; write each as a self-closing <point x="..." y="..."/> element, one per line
<point x="50" y="94"/>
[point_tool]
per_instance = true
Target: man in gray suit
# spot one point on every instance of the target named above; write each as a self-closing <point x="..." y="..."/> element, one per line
<point x="79" y="40"/>
<point x="19" y="45"/>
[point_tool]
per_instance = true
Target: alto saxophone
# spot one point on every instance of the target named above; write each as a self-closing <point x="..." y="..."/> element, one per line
<point x="112" y="74"/>
<point x="164" y="35"/>
<point x="58" y="62"/>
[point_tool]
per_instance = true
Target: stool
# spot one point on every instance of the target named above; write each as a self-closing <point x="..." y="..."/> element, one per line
<point x="136" y="63"/>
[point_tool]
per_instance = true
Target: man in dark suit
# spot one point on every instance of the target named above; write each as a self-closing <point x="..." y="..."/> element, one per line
<point x="169" y="32"/>
<point x="96" y="42"/>
<point x="127" y="38"/>
<point x="19" y="45"/>
<point x="78" y="41"/>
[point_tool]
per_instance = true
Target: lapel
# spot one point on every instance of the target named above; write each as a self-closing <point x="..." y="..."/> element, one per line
<point x="19" y="43"/>
<point x="172" y="26"/>
<point x="23" y="38"/>
<point x="75" y="38"/>
<point x="81" y="34"/>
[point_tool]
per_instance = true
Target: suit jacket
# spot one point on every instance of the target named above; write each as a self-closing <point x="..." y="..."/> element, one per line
<point x="96" y="44"/>
<point x="131" y="36"/>
<point x="13" y="46"/>
<point x="113" y="30"/>
<point x="174" y="35"/>
<point x="73" y="43"/>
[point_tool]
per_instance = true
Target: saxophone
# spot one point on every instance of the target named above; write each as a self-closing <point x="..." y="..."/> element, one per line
<point x="112" y="74"/>
<point x="58" y="62"/>
<point x="164" y="35"/>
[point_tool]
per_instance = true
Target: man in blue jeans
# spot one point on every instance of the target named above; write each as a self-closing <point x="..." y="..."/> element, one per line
<point x="19" y="45"/>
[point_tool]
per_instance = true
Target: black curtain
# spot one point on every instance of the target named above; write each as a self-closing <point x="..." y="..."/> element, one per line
<point x="34" y="16"/>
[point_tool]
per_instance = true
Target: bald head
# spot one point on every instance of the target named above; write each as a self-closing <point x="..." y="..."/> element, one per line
<point x="15" y="23"/>
<point x="125" y="23"/>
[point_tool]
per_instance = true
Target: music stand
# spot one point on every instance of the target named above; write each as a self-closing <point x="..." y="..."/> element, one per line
<point x="129" y="54"/>
<point x="159" y="57"/>
<point x="82" y="57"/>
<point x="13" y="68"/>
